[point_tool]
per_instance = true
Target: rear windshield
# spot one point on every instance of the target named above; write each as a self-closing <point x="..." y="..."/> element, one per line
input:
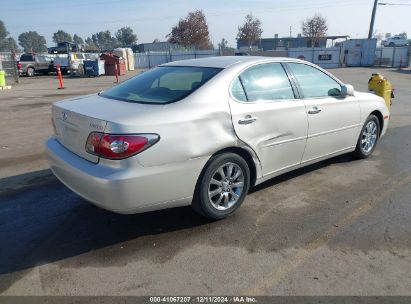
<point x="26" y="58"/>
<point x="161" y="85"/>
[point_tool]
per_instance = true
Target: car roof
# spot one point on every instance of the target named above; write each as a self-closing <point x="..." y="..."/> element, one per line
<point x="227" y="61"/>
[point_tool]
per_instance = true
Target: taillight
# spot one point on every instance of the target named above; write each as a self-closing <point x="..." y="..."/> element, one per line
<point x="19" y="66"/>
<point x="114" y="146"/>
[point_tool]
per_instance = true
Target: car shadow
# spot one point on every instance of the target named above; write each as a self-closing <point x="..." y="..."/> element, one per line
<point x="402" y="71"/>
<point x="44" y="222"/>
<point x="345" y="158"/>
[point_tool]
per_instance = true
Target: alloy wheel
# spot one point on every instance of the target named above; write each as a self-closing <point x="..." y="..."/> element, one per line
<point x="226" y="186"/>
<point x="369" y="136"/>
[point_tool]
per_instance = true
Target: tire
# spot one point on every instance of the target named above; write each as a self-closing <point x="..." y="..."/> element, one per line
<point x="227" y="176"/>
<point x="30" y="72"/>
<point x="368" y="138"/>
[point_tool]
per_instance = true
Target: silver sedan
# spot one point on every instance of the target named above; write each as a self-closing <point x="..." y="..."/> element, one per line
<point x="202" y="132"/>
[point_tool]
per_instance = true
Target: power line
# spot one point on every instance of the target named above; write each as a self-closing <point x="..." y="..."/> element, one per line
<point x="322" y="4"/>
<point x="402" y="4"/>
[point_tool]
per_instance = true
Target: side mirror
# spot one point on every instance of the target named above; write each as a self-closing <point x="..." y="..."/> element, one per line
<point x="347" y="90"/>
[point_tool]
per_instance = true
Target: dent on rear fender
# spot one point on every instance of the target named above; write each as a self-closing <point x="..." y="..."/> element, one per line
<point x="188" y="139"/>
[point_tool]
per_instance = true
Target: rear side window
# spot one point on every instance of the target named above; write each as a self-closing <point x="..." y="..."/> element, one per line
<point x="43" y="59"/>
<point x="237" y="90"/>
<point x="26" y="58"/>
<point x="162" y="85"/>
<point x="313" y="82"/>
<point x="266" y="82"/>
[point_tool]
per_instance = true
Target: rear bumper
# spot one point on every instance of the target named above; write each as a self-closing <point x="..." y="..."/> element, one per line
<point x="123" y="189"/>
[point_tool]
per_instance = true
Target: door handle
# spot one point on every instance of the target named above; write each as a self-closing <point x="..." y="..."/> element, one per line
<point x="247" y="120"/>
<point x="314" y="110"/>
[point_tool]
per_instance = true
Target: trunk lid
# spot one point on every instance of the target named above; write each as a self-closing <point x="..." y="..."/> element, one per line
<point x="73" y="129"/>
<point x="76" y="118"/>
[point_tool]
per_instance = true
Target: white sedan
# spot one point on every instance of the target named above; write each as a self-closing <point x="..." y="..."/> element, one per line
<point x="202" y="132"/>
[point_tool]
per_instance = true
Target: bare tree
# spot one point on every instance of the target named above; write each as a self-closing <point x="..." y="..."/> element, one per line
<point x="315" y="28"/>
<point x="251" y="30"/>
<point x="191" y="31"/>
<point x="223" y="44"/>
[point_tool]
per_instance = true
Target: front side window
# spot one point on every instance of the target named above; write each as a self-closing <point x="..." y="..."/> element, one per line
<point x="43" y="59"/>
<point x="162" y="85"/>
<point x="313" y="82"/>
<point x="266" y="82"/>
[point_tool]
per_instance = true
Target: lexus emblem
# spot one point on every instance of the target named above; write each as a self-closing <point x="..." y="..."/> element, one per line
<point x="64" y="116"/>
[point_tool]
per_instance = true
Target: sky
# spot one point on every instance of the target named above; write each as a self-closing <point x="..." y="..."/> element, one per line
<point x="152" y="19"/>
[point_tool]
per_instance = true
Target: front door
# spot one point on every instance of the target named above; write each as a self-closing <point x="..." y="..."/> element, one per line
<point x="333" y="120"/>
<point x="268" y="117"/>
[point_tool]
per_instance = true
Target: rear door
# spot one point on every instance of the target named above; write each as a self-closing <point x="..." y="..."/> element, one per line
<point x="268" y="116"/>
<point x="333" y="121"/>
<point x="42" y="63"/>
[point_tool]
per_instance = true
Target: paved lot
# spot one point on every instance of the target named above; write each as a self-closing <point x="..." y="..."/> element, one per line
<point x="341" y="227"/>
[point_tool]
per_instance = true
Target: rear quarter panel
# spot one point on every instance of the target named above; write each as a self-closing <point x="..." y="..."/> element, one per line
<point x="194" y="127"/>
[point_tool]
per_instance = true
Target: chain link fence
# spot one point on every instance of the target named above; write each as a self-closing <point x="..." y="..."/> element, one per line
<point x="395" y="57"/>
<point x="8" y="64"/>
<point x="151" y="59"/>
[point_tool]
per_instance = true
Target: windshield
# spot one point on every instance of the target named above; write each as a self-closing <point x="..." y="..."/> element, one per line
<point x="161" y="85"/>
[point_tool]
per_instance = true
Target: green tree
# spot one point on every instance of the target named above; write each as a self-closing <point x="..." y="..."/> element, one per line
<point x="89" y="45"/>
<point x="3" y="34"/>
<point x="33" y="42"/>
<point x="7" y="43"/>
<point x="103" y="41"/>
<point x="192" y="31"/>
<point x="126" y="37"/>
<point x="78" y="40"/>
<point x="62" y="36"/>
<point x="12" y="44"/>
<point x="403" y="35"/>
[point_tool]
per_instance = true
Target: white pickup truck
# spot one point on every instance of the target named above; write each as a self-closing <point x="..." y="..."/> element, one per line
<point x="396" y="41"/>
<point x="76" y="62"/>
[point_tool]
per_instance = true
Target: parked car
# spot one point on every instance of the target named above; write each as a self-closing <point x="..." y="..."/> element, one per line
<point x="202" y="132"/>
<point x="241" y="53"/>
<point x="396" y="41"/>
<point x="30" y="64"/>
<point x="62" y="48"/>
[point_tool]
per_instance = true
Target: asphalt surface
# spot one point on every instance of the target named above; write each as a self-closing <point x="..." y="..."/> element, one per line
<point x="339" y="227"/>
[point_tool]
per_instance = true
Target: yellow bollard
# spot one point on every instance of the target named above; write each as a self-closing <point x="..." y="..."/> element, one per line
<point x="381" y="87"/>
<point x="2" y="79"/>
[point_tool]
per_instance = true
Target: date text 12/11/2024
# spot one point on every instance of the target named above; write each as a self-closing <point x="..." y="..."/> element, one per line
<point x="203" y="299"/>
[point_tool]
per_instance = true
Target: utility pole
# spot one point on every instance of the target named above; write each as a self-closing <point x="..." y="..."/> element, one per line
<point x="374" y="10"/>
